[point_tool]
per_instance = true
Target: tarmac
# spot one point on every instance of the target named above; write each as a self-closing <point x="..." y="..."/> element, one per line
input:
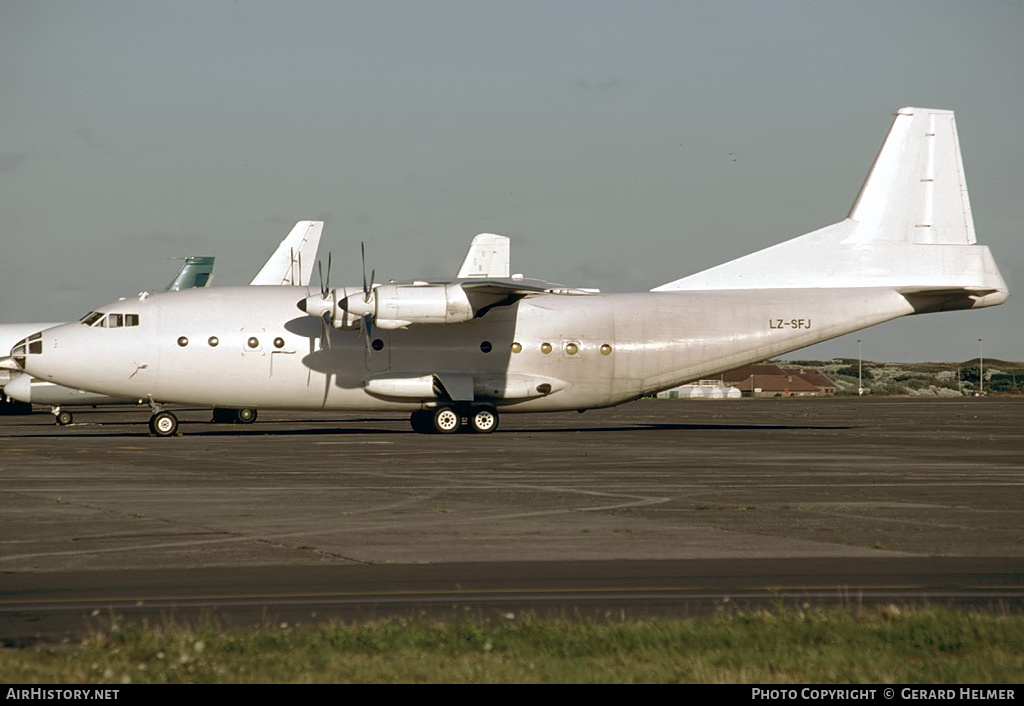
<point x="663" y="506"/>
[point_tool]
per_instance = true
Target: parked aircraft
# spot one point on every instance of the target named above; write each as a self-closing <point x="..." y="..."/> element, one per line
<point x="460" y="352"/>
<point x="196" y="271"/>
<point x="290" y="264"/>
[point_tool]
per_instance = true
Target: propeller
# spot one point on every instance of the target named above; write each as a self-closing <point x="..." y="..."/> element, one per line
<point x="327" y="319"/>
<point x="324" y="283"/>
<point x="367" y="290"/>
<point x="367" y="294"/>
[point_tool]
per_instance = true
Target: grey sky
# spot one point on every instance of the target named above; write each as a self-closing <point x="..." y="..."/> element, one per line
<point x="620" y="145"/>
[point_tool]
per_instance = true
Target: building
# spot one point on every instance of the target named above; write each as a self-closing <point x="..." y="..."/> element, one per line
<point x="770" y="380"/>
<point x="701" y="389"/>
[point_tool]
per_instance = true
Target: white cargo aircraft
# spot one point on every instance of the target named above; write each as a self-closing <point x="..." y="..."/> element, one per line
<point x="196" y="271"/>
<point x="459" y="352"/>
<point x="291" y="263"/>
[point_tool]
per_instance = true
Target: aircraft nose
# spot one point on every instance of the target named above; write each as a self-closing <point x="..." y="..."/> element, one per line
<point x="33" y="345"/>
<point x="20" y="388"/>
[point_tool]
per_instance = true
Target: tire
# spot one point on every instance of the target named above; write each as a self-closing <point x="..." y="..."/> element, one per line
<point x="245" y="416"/>
<point x="483" y="420"/>
<point x="163" y="424"/>
<point x="446" y="420"/>
<point x="63" y="418"/>
<point x="421" y="421"/>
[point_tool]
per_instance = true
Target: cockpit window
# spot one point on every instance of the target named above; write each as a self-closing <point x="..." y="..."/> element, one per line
<point x="33" y="345"/>
<point x="100" y="319"/>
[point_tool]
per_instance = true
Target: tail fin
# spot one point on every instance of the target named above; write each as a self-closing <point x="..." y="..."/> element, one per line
<point x="910" y="229"/>
<point x="196" y="272"/>
<point x="292" y="262"/>
<point x="488" y="257"/>
<point x="916" y="190"/>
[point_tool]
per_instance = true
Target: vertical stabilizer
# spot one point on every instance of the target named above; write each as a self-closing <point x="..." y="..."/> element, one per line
<point x="488" y="257"/>
<point x="910" y="229"/>
<point x="916" y="190"/>
<point x="196" y="272"/>
<point x="293" y="261"/>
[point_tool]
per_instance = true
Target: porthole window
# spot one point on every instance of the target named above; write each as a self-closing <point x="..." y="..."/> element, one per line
<point x="545" y="348"/>
<point x="182" y="341"/>
<point x="517" y="347"/>
<point x="213" y="341"/>
<point x="485" y="346"/>
<point x="606" y="349"/>
<point x="572" y="348"/>
<point x="377" y="344"/>
<point x="278" y="342"/>
<point x="253" y="342"/>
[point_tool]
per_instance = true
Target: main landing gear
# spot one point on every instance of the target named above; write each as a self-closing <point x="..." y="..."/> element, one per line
<point x="448" y="419"/>
<point x="234" y="416"/>
<point x="166" y="424"/>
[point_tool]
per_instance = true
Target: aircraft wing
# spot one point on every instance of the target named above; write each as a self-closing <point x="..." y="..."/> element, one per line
<point x="520" y="286"/>
<point x="292" y="262"/>
<point x="483" y="282"/>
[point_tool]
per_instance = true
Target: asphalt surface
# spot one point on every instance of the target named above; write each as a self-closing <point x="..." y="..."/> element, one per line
<point x="660" y="507"/>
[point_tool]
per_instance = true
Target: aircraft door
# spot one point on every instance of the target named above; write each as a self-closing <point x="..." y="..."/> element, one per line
<point x="255" y="348"/>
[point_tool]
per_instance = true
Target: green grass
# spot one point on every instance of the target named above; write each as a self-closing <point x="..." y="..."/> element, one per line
<point x="884" y="646"/>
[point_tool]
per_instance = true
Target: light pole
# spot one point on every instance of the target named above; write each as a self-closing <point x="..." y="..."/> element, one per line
<point x="981" y="369"/>
<point x="860" y="369"/>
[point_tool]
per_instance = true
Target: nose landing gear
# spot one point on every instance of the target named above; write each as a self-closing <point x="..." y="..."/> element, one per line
<point x="163" y="424"/>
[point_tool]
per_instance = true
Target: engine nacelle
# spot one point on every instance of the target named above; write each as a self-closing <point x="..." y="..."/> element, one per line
<point x="319" y="305"/>
<point x="397" y="305"/>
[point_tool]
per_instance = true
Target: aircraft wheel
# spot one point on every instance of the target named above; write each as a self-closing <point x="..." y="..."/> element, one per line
<point x="483" y="420"/>
<point x="446" y="420"/>
<point x="63" y="418"/>
<point x="245" y="416"/>
<point x="421" y="421"/>
<point x="163" y="424"/>
<point x="9" y="406"/>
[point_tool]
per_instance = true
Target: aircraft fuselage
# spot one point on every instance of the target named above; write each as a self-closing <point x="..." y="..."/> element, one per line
<point x="246" y="347"/>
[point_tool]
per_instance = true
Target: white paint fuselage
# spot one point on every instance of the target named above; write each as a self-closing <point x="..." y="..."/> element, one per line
<point x="604" y="349"/>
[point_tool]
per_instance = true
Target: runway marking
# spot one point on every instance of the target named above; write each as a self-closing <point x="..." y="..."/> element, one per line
<point x="350" y="443"/>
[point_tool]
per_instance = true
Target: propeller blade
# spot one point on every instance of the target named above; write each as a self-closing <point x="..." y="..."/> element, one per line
<point x="325" y="332"/>
<point x="362" y="250"/>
